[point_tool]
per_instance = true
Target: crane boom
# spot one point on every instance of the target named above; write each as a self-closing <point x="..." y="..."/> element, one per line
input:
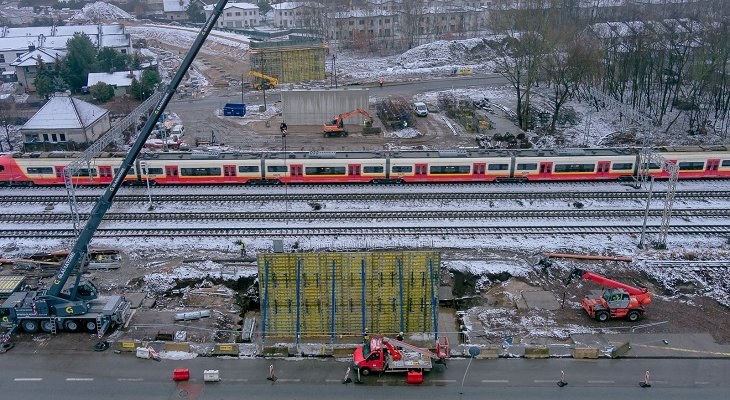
<point x="600" y="279"/>
<point x="80" y="248"/>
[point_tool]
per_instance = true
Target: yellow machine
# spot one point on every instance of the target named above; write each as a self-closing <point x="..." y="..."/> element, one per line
<point x="264" y="82"/>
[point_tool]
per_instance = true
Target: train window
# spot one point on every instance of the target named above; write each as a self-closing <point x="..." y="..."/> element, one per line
<point x="154" y="171"/>
<point x="276" y="168"/>
<point x="39" y="170"/>
<point x="450" y="169"/>
<point x="623" y="166"/>
<point x="324" y="170"/>
<point x="654" y="166"/>
<point x="692" y="166"/>
<point x="401" y="169"/>
<point x="574" y="168"/>
<point x="498" y="167"/>
<point x="248" y="168"/>
<point x="373" y="170"/>
<point x="131" y="171"/>
<point x="2" y="168"/>
<point x="726" y="163"/>
<point x="528" y="166"/>
<point x="200" y="171"/>
<point x="85" y="172"/>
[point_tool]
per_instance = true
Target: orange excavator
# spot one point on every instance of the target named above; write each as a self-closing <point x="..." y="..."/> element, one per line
<point x="336" y="127"/>
<point x="618" y="301"/>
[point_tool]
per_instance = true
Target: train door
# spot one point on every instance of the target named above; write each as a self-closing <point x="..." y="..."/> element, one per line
<point x="711" y="167"/>
<point x="353" y="172"/>
<point x="171" y="174"/>
<point x="229" y="171"/>
<point x="421" y="172"/>
<point x="479" y="170"/>
<point x="296" y="173"/>
<point x="105" y="173"/>
<point x="545" y="170"/>
<point x="602" y="169"/>
<point x="59" y="173"/>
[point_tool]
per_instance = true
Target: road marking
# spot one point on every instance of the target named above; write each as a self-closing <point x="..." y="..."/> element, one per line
<point x="333" y="380"/>
<point x="662" y="382"/>
<point x="601" y="381"/>
<point x="288" y="380"/>
<point x="702" y="383"/>
<point x="495" y="381"/>
<point x="130" y="379"/>
<point x="238" y="380"/>
<point x="80" y="379"/>
<point x="544" y="381"/>
<point x="717" y="353"/>
<point x="28" y="379"/>
<point x="443" y="380"/>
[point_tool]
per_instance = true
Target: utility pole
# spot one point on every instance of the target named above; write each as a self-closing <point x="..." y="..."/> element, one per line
<point x="242" y="102"/>
<point x="7" y="135"/>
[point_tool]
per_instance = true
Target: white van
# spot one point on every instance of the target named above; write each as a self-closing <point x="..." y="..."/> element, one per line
<point x="420" y="109"/>
<point x="178" y="130"/>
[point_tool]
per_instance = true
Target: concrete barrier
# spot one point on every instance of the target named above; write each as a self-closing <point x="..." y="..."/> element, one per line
<point x="537" y="352"/>
<point x="586" y="352"/>
<point x="341" y="352"/>
<point x="489" y="353"/>
<point x="177" y="347"/>
<point x="225" y="350"/>
<point x="127" y="345"/>
<point x="619" y="349"/>
<point x="276" y="351"/>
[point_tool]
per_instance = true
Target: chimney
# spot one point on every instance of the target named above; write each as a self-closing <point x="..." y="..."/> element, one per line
<point x="31" y="47"/>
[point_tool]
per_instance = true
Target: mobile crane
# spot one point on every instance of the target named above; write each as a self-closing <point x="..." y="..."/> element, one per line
<point x="79" y="306"/>
<point x="618" y="301"/>
<point x="383" y="354"/>
<point x="336" y="127"/>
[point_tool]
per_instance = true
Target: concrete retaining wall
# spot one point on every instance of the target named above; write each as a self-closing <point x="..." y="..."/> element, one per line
<point x="316" y="106"/>
<point x="276" y="351"/>
<point x="620" y="349"/>
<point x="177" y="347"/>
<point x="226" y="350"/>
<point x="537" y="352"/>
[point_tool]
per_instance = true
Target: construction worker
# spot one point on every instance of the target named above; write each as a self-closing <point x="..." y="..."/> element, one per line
<point x="399" y="336"/>
<point x="366" y="336"/>
<point x="380" y="81"/>
<point x="243" y="249"/>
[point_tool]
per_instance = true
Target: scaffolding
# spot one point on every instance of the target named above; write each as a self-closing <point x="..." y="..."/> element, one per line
<point x="295" y="60"/>
<point x="346" y="295"/>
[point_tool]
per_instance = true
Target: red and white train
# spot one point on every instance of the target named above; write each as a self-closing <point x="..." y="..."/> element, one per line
<point x="351" y="167"/>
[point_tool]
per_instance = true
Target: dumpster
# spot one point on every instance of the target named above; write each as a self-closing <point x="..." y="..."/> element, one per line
<point x="234" y="110"/>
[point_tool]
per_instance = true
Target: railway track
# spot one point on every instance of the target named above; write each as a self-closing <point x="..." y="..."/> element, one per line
<point x="368" y="215"/>
<point x="312" y="197"/>
<point x="339" y="231"/>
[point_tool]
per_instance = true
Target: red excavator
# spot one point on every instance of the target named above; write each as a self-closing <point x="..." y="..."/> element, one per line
<point x="618" y="301"/>
<point x="336" y="127"/>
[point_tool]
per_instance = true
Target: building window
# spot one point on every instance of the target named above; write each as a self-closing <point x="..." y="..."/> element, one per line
<point x="238" y="14"/>
<point x="18" y="54"/>
<point x="54" y="137"/>
<point x="387" y="20"/>
<point x="62" y="137"/>
<point x="2" y="58"/>
<point x="352" y="23"/>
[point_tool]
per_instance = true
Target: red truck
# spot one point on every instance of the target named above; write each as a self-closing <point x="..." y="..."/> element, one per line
<point x="382" y="354"/>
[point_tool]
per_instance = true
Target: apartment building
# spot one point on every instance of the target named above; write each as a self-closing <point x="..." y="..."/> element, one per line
<point x="236" y="15"/>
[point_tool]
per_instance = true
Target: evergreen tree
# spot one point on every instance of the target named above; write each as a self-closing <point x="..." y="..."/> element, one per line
<point x="195" y="12"/>
<point x="80" y="60"/>
<point x="135" y="90"/>
<point x="110" y="59"/>
<point x="102" y="92"/>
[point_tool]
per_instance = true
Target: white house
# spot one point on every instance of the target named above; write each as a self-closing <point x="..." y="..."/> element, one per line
<point x="175" y="10"/>
<point x="26" y="66"/>
<point x="236" y="15"/>
<point x="297" y="14"/>
<point x="119" y="80"/>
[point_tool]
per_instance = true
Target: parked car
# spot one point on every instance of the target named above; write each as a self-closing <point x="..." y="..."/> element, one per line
<point x="420" y="109"/>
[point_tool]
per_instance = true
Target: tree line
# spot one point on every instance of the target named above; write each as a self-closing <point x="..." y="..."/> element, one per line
<point x="670" y="66"/>
<point x="82" y="57"/>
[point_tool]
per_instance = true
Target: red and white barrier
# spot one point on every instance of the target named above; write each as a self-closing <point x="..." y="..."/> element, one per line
<point x="271" y="377"/>
<point x="645" y="383"/>
<point x="562" y="381"/>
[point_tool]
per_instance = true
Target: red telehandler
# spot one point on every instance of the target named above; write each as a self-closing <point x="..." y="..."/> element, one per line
<point x="618" y="301"/>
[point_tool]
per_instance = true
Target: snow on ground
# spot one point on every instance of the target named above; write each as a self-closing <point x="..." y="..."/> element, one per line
<point x="184" y="37"/>
<point x="100" y="12"/>
<point x="494" y="266"/>
<point x="403" y="133"/>
<point x="177" y="355"/>
<point x="163" y="281"/>
<point x="502" y="323"/>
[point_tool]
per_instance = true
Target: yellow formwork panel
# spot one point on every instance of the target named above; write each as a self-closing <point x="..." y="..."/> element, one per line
<point x="323" y="294"/>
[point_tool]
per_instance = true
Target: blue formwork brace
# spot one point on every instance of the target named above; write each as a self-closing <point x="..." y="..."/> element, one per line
<point x="266" y="301"/>
<point x="434" y="308"/>
<point x="362" y="275"/>
<point x="299" y="273"/>
<point x="400" y="283"/>
<point x="333" y="301"/>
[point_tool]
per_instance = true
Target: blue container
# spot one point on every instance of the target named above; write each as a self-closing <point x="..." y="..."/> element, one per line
<point x="234" y="110"/>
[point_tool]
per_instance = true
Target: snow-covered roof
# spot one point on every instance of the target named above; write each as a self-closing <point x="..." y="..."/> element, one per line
<point x="30" y="58"/>
<point x="65" y="112"/>
<point x="119" y="79"/>
<point x="29" y="31"/>
<point x="18" y="43"/>
<point x="292" y="5"/>
<point x="70" y="30"/>
<point x="175" y="5"/>
<point x="242" y="6"/>
<point x="16" y="39"/>
<point x="60" y="42"/>
<point x="115" y="41"/>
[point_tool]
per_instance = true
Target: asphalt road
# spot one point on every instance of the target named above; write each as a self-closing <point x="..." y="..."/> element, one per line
<point x="218" y="98"/>
<point x="28" y="373"/>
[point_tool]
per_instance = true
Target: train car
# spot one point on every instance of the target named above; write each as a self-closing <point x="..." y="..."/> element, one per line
<point x="325" y="167"/>
<point x="182" y="168"/>
<point x="28" y="169"/>
<point x="695" y="162"/>
<point x="575" y="164"/>
<point x="449" y="166"/>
